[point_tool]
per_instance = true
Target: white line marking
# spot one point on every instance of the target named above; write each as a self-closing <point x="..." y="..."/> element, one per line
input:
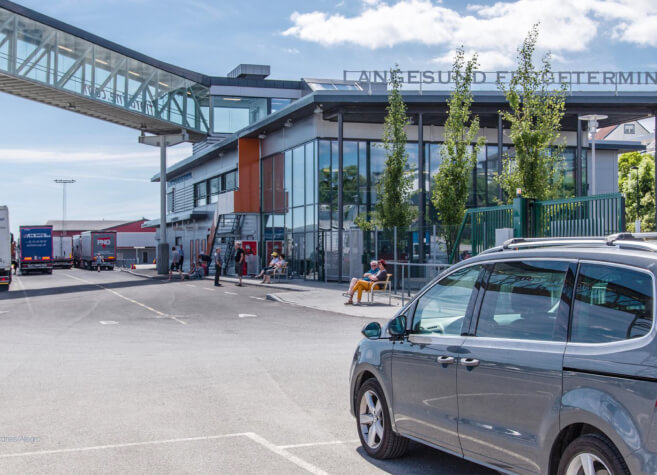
<point x="229" y="293"/>
<point x="108" y="322"/>
<point x="246" y="315"/>
<point x="254" y="297"/>
<point x="209" y="290"/>
<point x="3" y="311"/>
<point x="120" y="446"/>
<point x="190" y="285"/>
<point x="157" y="312"/>
<point x="285" y="454"/>
<point x="317" y="444"/>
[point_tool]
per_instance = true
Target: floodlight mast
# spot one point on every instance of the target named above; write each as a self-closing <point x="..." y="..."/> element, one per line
<point x="64" y="182"/>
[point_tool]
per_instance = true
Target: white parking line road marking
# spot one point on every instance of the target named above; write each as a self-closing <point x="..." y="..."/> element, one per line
<point x="229" y="293"/>
<point x="257" y="298"/>
<point x="277" y="449"/>
<point x="246" y="315"/>
<point x="318" y="444"/>
<point x="285" y="454"/>
<point x="157" y="312"/>
<point x="108" y="322"/>
<point x="3" y="311"/>
<point x="209" y="290"/>
<point x="119" y="446"/>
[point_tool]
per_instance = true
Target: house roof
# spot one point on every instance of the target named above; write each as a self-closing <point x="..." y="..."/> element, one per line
<point x="604" y="131"/>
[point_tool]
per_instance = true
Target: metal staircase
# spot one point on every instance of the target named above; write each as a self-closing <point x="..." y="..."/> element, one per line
<point x="229" y="226"/>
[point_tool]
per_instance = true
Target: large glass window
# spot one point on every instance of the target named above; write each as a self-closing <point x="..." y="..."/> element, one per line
<point x="200" y="194"/>
<point x="611" y="303"/>
<point x="215" y="189"/>
<point x="277" y="104"/>
<point x="298" y="174"/>
<point x="231" y="114"/>
<point x="522" y="301"/>
<point x="442" y="308"/>
<point x="311" y="176"/>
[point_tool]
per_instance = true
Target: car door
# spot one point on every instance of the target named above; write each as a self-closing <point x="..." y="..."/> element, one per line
<point x="510" y="370"/>
<point x="424" y="361"/>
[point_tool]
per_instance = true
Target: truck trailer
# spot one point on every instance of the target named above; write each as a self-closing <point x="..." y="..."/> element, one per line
<point x="93" y="243"/>
<point x="36" y="249"/>
<point x="77" y="251"/>
<point x="5" y="249"/>
<point x="63" y="251"/>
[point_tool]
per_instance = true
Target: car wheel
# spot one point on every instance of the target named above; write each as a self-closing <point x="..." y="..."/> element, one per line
<point x="592" y="454"/>
<point x="373" y="422"/>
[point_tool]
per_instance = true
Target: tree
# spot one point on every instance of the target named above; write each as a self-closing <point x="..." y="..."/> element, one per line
<point x="459" y="152"/>
<point x="627" y="184"/>
<point x="536" y="165"/>
<point x="393" y="207"/>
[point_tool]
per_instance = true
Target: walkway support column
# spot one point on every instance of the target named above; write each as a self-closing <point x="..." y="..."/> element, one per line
<point x="578" y="159"/>
<point x="340" y="192"/>
<point x="163" y="141"/>
<point x="423" y="186"/>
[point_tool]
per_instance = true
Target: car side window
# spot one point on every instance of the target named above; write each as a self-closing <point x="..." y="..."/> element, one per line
<point x="611" y="303"/>
<point x="522" y="301"/>
<point x="441" y="310"/>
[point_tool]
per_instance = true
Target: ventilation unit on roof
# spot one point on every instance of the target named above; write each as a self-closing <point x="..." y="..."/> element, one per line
<point x="250" y="71"/>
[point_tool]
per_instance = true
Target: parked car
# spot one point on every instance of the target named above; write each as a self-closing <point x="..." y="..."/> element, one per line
<point x="539" y="356"/>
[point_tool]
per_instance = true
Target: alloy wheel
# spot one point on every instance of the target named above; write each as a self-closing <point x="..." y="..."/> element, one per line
<point x="370" y="418"/>
<point x="587" y="464"/>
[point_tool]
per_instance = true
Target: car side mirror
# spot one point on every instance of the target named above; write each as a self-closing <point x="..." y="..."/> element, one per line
<point x="372" y="330"/>
<point x="397" y="326"/>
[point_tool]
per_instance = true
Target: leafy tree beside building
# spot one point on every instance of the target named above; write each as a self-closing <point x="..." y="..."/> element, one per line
<point x="393" y="207"/>
<point x="627" y="184"/>
<point x="459" y="152"/>
<point x="536" y="110"/>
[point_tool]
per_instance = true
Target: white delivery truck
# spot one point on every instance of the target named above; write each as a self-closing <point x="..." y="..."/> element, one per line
<point x="5" y="249"/>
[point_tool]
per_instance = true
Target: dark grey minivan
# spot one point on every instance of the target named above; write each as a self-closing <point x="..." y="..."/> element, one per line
<point x="539" y="356"/>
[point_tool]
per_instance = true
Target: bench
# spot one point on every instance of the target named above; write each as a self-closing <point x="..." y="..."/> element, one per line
<point x="383" y="286"/>
<point x="280" y="271"/>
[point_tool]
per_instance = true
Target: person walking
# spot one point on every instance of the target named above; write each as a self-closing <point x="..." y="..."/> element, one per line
<point x="239" y="261"/>
<point x="99" y="261"/>
<point x="218" y="264"/>
<point x="175" y="263"/>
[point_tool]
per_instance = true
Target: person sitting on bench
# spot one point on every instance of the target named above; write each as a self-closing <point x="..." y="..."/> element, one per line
<point x="363" y="284"/>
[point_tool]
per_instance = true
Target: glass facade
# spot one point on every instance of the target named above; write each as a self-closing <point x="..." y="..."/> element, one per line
<point x="230" y="113"/>
<point x="208" y="191"/>
<point x="300" y="210"/>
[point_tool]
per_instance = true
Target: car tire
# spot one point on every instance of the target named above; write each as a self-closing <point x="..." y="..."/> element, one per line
<point x="373" y="423"/>
<point x="595" y="449"/>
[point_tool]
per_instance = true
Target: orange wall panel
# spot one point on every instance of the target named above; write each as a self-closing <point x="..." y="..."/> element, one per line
<point x="247" y="198"/>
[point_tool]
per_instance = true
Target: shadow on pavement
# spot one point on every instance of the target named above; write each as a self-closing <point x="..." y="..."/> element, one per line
<point x="422" y="459"/>
<point x="66" y="289"/>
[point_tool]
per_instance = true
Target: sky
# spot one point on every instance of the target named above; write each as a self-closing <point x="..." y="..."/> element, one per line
<point x="320" y="38"/>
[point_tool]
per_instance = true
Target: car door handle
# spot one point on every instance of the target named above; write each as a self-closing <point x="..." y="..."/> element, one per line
<point x="446" y="360"/>
<point x="469" y="362"/>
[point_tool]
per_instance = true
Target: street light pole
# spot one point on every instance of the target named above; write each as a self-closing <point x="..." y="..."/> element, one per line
<point x="63" y="182"/>
<point x="592" y="120"/>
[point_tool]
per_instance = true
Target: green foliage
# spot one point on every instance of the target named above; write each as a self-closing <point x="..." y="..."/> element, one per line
<point x="536" y="165"/>
<point x="394" y="207"/>
<point x="627" y="184"/>
<point x="459" y="152"/>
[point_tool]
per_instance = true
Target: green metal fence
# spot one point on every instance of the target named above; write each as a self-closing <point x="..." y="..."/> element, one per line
<point x="598" y="215"/>
<point x="478" y="228"/>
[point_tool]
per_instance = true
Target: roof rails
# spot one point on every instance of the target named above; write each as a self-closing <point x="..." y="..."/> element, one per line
<point x="624" y="240"/>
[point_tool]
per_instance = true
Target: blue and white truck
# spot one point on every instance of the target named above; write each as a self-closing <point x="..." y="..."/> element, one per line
<point x="36" y="249"/>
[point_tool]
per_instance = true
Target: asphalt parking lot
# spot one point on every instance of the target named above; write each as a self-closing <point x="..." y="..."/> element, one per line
<point x="107" y="372"/>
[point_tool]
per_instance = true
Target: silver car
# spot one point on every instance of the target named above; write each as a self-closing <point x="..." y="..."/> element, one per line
<point x="534" y="357"/>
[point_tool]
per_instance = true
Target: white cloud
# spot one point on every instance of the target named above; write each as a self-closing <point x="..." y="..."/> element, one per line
<point x="291" y="50"/>
<point x="495" y="31"/>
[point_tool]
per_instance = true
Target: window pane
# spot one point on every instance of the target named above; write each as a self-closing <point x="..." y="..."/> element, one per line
<point x="298" y="172"/>
<point x="267" y="184"/>
<point x="231" y="181"/>
<point x="311" y="176"/>
<point x="214" y="185"/>
<point x="522" y="301"/>
<point x="279" y="176"/>
<point x="350" y="173"/>
<point x="442" y="309"/>
<point x="611" y="304"/>
<point x="234" y="113"/>
<point x="277" y="104"/>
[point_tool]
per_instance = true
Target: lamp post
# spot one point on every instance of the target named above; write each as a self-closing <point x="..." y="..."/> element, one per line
<point x="63" y="182"/>
<point x="592" y="120"/>
<point x="637" y="222"/>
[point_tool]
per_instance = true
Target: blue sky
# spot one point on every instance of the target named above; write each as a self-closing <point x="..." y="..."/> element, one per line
<point x="298" y="39"/>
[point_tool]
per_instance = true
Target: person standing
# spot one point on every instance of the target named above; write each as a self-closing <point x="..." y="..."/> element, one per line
<point x="218" y="264"/>
<point x="99" y="261"/>
<point x="175" y="263"/>
<point x="181" y="251"/>
<point x="239" y="261"/>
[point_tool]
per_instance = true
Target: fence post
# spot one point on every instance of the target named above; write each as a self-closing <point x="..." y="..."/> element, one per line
<point x="434" y="245"/>
<point x="520" y="217"/>
<point x="402" y="284"/>
<point x="376" y="244"/>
